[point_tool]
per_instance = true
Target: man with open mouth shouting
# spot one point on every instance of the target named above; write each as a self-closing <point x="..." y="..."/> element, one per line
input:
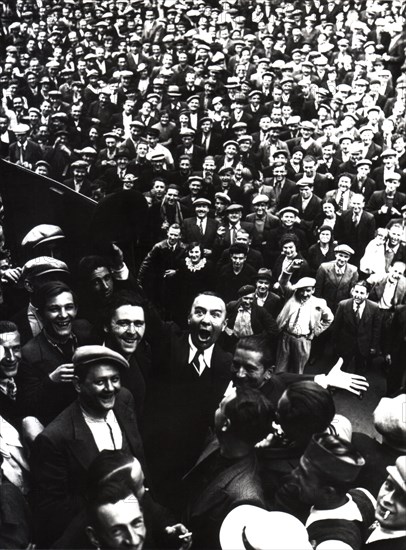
<point x="191" y="374"/>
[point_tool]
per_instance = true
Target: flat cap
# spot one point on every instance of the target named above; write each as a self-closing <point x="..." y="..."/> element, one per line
<point x="202" y="202"/>
<point x="230" y="142"/>
<point x="389" y="421"/>
<point x="305" y="282"/>
<point x="264" y="273"/>
<point x="41" y="234"/>
<point x="43" y="265"/>
<point x="388" y="153"/>
<point x="223" y="197"/>
<point x="235" y="207"/>
<point x="158" y="157"/>
<point x="245" y="290"/>
<point x="225" y="169"/>
<point x="21" y="129"/>
<point x="260" y="199"/>
<point x="392" y="176"/>
<point x="344" y="249"/>
<point x="86" y="356"/>
<point x="288" y="209"/>
<point x="79" y="164"/>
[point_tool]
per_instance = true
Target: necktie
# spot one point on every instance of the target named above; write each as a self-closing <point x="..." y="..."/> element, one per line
<point x="196" y="361"/>
<point x="357" y="312"/>
<point x="341" y="202"/>
<point x="233" y="235"/>
<point x="21" y="148"/>
<point x="296" y="325"/>
<point x="355" y="219"/>
<point x="200" y="224"/>
<point x="11" y="389"/>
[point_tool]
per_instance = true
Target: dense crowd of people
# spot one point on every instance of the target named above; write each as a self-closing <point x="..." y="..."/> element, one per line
<point x="168" y="402"/>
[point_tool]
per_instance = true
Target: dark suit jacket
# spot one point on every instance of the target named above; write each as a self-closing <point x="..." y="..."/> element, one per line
<point x="40" y="396"/>
<point x="32" y="153"/>
<point x="349" y="336"/>
<point x="311" y="211"/>
<point x="60" y="458"/>
<point x="334" y="288"/>
<point x="378" y="199"/>
<point x="356" y="236"/>
<point x="180" y="406"/>
<point x="197" y="156"/>
<point x="215" y="143"/>
<point x="212" y="498"/>
<point x="191" y="232"/>
<point x="86" y="188"/>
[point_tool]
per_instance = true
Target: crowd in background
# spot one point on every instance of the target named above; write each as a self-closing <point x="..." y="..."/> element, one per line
<point x="167" y="402"/>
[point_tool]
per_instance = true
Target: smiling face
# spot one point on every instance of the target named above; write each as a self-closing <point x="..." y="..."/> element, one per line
<point x="10" y="354"/>
<point x="120" y="525"/>
<point x="126" y="329"/>
<point x="247" y="369"/>
<point x="207" y="319"/>
<point x="58" y="315"/>
<point x="98" y="391"/>
<point x="391" y="506"/>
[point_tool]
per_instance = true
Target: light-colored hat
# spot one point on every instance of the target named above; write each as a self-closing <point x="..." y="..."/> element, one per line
<point x="249" y="526"/>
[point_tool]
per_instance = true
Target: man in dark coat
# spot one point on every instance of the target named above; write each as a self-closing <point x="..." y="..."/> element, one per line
<point x="190" y="375"/>
<point x="235" y="274"/>
<point x="357" y="227"/>
<point x="213" y="492"/>
<point x="356" y="328"/>
<point x="201" y="228"/>
<point x="64" y="450"/>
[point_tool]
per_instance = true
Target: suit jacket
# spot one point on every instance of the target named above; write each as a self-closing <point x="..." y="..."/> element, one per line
<point x="32" y="153"/>
<point x="40" y="396"/>
<point x="61" y="455"/>
<point x="86" y="188"/>
<point x="225" y="241"/>
<point x="356" y="236"/>
<point x="180" y="406"/>
<point x="378" y="199"/>
<point x="211" y="499"/>
<point x="192" y="233"/>
<point x="197" y="156"/>
<point x="378" y="287"/>
<point x="214" y="146"/>
<point x="313" y="208"/>
<point x="287" y="191"/>
<point x="271" y="222"/>
<point x="332" y="287"/>
<point x="350" y="336"/>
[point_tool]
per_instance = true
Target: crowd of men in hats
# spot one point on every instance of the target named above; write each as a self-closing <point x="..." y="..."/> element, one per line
<point x="167" y="402"/>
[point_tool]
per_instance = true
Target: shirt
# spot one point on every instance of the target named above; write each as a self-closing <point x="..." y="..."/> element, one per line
<point x="106" y="431"/>
<point x="33" y="319"/>
<point x="386" y="300"/>
<point x="299" y="322"/>
<point x="204" y="358"/>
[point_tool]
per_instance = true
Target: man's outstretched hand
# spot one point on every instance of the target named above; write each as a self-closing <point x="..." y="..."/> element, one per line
<point x="336" y="378"/>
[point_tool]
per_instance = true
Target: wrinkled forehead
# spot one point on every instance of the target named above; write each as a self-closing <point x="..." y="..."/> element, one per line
<point x="209" y="303"/>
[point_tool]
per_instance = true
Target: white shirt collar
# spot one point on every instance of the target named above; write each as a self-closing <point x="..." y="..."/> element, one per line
<point x="381" y="534"/>
<point x="205" y="358"/>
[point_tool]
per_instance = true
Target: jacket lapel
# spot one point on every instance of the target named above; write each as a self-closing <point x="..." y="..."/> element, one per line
<point x="83" y="445"/>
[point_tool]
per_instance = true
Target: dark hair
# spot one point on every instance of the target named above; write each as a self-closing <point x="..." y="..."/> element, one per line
<point x="122" y="298"/>
<point x="238" y="248"/>
<point x="260" y="344"/>
<point x="49" y="290"/>
<point x="309" y="158"/>
<point x="192" y="245"/>
<point x="289" y="238"/>
<point x="89" y="263"/>
<point x="250" y="415"/>
<point x="307" y="409"/>
<point x="108" y="493"/>
<point x="7" y="326"/>
<point x="363" y="283"/>
<point x="102" y="468"/>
